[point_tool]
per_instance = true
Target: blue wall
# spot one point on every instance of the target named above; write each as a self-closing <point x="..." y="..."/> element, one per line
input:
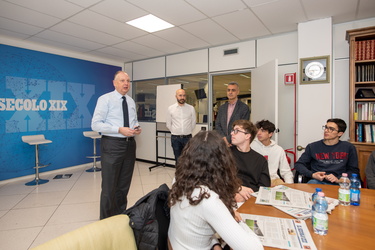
<point x="42" y="93"/>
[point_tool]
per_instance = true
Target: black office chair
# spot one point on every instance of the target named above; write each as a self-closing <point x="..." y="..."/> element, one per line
<point x="300" y="178"/>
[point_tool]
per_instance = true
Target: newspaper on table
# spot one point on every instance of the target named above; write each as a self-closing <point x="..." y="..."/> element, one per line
<point x="304" y="214"/>
<point x="279" y="232"/>
<point x="288" y="207"/>
<point x="284" y="196"/>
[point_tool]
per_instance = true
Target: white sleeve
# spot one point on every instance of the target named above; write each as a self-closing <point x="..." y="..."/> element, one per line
<point x="237" y="237"/>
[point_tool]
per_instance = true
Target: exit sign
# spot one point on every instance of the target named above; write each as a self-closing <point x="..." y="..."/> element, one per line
<point x="290" y="78"/>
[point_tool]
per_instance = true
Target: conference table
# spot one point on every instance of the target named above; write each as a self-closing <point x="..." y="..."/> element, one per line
<point x="349" y="227"/>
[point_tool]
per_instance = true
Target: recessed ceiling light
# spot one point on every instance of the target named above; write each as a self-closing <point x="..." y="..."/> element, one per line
<point x="150" y="23"/>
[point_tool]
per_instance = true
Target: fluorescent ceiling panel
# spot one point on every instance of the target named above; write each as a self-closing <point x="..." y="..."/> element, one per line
<point x="150" y="23"/>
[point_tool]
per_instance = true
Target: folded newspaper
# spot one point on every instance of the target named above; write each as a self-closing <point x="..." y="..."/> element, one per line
<point x="279" y="232"/>
<point x="291" y="201"/>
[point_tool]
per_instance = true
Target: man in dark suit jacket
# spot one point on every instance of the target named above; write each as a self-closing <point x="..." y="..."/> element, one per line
<point x="231" y="111"/>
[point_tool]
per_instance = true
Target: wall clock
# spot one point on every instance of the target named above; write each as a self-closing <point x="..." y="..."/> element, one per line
<point x="315" y="69"/>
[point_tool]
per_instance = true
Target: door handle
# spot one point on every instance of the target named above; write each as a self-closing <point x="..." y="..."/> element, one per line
<point x="300" y="148"/>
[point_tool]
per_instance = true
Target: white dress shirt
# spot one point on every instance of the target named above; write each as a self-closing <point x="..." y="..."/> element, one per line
<point x="181" y="120"/>
<point x="108" y="116"/>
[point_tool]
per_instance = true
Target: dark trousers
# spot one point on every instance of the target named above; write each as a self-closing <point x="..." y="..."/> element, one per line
<point x="117" y="161"/>
<point x="178" y="144"/>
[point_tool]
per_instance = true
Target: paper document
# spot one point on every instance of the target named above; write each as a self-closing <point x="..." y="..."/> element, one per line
<point x="283" y="196"/>
<point x="279" y="232"/>
<point x="291" y="201"/>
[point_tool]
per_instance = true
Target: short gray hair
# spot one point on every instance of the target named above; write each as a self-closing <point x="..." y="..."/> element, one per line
<point x="233" y="83"/>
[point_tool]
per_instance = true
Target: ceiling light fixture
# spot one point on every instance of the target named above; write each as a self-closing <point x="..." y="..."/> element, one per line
<point x="150" y="23"/>
<point x="246" y="76"/>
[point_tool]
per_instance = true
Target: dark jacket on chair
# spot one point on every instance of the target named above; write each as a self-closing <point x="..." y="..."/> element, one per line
<point x="149" y="218"/>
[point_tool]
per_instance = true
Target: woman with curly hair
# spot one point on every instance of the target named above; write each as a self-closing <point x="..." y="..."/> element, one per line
<point x="202" y="198"/>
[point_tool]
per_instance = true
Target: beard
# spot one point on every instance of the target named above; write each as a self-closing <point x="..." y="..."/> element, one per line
<point x="181" y="101"/>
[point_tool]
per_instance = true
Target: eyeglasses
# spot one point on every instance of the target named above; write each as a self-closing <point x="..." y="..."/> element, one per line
<point x="235" y="131"/>
<point x="330" y="129"/>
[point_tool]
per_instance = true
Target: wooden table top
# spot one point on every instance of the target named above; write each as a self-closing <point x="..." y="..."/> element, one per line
<point x="349" y="227"/>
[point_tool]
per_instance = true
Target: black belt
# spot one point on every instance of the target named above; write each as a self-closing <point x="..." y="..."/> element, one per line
<point x="182" y="136"/>
<point x="118" y="138"/>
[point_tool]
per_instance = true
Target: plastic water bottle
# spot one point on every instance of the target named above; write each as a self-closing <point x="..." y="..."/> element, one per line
<point x="320" y="216"/>
<point x="313" y="198"/>
<point x="314" y="195"/>
<point x="355" y="191"/>
<point x="344" y="190"/>
<point x="355" y="176"/>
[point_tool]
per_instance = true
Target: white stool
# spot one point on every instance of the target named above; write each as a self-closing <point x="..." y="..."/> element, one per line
<point x="93" y="135"/>
<point x="36" y="140"/>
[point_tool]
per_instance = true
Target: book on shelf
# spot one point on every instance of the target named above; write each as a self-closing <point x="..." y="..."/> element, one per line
<point x="365" y="132"/>
<point x="365" y="72"/>
<point x="365" y="111"/>
<point x="365" y="50"/>
<point x="359" y="132"/>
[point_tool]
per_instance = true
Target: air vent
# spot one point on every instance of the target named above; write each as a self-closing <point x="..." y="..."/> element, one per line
<point x="230" y="51"/>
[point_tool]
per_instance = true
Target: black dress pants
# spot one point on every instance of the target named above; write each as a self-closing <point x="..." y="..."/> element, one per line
<point x="117" y="161"/>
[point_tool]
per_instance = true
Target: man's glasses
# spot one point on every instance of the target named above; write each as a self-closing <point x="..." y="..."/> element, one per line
<point x="235" y="131"/>
<point x="330" y="129"/>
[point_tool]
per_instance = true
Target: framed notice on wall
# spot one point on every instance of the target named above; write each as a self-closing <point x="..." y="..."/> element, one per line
<point x="315" y="69"/>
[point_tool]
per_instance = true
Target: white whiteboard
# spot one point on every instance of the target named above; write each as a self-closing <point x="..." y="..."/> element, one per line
<point x="165" y="97"/>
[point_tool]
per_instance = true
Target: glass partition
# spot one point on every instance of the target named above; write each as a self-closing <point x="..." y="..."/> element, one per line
<point x="145" y="98"/>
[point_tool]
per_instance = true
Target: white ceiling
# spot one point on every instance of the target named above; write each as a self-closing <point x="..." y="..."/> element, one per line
<point x="98" y="27"/>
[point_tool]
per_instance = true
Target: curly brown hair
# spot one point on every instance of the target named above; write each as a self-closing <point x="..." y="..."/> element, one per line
<point x="206" y="161"/>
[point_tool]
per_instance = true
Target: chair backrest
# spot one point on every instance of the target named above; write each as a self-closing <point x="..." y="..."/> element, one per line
<point x="112" y="233"/>
<point x="91" y="134"/>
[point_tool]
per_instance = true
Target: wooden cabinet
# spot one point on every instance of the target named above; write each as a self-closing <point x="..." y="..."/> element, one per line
<point x="362" y="89"/>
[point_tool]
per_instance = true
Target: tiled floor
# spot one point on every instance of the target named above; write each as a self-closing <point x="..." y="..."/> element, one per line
<point x="32" y="215"/>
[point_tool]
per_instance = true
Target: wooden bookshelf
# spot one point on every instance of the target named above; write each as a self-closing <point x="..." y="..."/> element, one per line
<point x="362" y="77"/>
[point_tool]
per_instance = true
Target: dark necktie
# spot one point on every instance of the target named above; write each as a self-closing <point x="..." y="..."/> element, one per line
<point x="125" y="111"/>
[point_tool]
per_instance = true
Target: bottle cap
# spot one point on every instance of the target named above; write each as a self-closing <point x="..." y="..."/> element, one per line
<point x="344" y="174"/>
<point x="354" y="175"/>
<point x="318" y="190"/>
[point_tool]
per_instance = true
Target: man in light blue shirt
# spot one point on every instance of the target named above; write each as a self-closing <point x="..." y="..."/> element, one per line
<point x="115" y="117"/>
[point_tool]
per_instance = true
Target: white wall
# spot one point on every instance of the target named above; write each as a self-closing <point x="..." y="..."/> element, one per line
<point x="314" y="100"/>
<point x="187" y="63"/>
<point x="148" y="69"/>
<point x="283" y="47"/>
<point x="245" y="58"/>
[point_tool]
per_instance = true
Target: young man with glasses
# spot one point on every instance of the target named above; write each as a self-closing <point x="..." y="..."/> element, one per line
<point x="252" y="167"/>
<point x="325" y="160"/>
<point x="231" y="111"/>
<point x="274" y="154"/>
